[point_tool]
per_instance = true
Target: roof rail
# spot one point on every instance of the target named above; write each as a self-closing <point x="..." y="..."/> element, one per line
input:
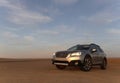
<point x="93" y="44"/>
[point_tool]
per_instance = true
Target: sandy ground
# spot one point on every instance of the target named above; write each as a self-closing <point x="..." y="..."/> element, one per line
<point x="42" y="71"/>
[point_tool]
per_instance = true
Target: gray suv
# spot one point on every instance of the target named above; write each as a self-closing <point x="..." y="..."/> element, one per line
<point x="84" y="56"/>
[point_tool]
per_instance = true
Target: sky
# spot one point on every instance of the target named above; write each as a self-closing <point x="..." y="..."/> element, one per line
<point x="38" y="28"/>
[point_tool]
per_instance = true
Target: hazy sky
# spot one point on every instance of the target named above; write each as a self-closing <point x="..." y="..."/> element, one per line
<point x="37" y="28"/>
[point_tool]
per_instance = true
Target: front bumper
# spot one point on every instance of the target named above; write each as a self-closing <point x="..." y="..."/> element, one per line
<point x="71" y="61"/>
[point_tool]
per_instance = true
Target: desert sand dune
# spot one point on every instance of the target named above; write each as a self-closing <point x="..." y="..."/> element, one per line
<point x="42" y="71"/>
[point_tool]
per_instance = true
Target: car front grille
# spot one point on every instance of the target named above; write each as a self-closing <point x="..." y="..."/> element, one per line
<point x="61" y="54"/>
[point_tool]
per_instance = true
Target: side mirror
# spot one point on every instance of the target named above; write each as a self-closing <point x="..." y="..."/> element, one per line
<point x="94" y="50"/>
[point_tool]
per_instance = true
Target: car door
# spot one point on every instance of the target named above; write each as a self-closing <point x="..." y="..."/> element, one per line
<point x="101" y="54"/>
<point x="95" y="55"/>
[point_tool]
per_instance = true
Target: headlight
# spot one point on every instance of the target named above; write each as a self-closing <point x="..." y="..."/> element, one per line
<point x="54" y="54"/>
<point x="76" y="54"/>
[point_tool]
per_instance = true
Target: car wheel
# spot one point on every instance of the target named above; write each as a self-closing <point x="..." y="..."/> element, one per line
<point x="61" y="67"/>
<point x="104" y="64"/>
<point x="87" y="65"/>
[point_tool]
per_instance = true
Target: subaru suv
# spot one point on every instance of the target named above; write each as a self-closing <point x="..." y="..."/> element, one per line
<point x="83" y="56"/>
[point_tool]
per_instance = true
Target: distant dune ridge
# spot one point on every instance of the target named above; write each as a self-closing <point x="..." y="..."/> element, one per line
<point x="17" y="59"/>
<point x="42" y="71"/>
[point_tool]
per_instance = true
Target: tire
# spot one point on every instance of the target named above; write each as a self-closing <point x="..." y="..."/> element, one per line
<point x="104" y="64"/>
<point x="61" y="67"/>
<point x="87" y="65"/>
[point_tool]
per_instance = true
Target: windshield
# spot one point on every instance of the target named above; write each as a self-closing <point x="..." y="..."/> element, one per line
<point x="73" y="48"/>
<point x="79" y="47"/>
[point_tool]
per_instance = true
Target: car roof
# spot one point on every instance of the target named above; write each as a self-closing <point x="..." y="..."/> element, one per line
<point x="92" y="44"/>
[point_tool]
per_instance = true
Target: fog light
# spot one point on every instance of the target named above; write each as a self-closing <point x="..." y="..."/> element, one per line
<point x="76" y="63"/>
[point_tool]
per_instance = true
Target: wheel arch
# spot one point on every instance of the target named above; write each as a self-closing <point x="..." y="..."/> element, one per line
<point x="86" y="55"/>
<point x="105" y="59"/>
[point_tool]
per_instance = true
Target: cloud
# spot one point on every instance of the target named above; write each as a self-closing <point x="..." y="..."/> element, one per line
<point x="114" y="31"/>
<point x="57" y="30"/>
<point x="29" y="38"/>
<point x="65" y="28"/>
<point x="107" y="15"/>
<point x="103" y="18"/>
<point x="48" y="32"/>
<point x="9" y="5"/>
<point x="18" y="14"/>
<point x="65" y="2"/>
<point x="11" y="38"/>
<point x="52" y="11"/>
<point x="24" y="17"/>
<point x="9" y="35"/>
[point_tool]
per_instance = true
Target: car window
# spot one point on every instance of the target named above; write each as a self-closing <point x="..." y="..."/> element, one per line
<point x="73" y="48"/>
<point x="83" y="47"/>
<point x="94" y="47"/>
<point x="100" y="49"/>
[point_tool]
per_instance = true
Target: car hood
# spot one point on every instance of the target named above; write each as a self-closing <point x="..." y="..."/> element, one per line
<point x="70" y="51"/>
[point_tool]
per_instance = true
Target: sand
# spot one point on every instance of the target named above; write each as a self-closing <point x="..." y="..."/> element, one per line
<point x="42" y="71"/>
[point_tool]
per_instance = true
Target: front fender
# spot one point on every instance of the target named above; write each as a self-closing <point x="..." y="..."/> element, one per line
<point x="84" y="54"/>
